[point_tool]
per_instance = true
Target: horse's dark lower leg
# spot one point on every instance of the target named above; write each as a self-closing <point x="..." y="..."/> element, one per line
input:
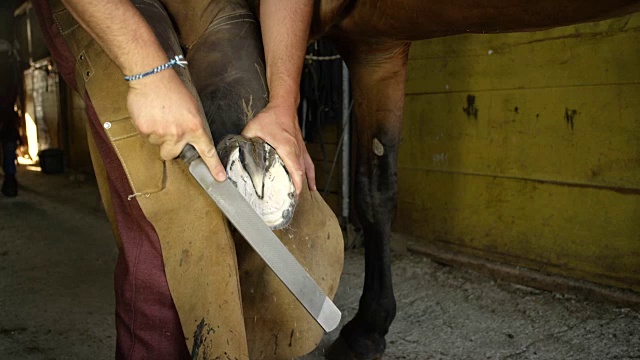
<point x="378" y="81"/>
<point x="227" y="67"/>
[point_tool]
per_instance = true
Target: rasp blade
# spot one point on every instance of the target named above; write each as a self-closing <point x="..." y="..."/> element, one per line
<point x="268" y="246"/>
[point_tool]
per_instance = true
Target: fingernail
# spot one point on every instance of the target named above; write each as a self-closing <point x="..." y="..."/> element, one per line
<point x="221" y="176"/>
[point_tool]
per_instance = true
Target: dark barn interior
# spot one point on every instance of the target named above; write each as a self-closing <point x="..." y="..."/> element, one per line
<point x="517" y="233"/>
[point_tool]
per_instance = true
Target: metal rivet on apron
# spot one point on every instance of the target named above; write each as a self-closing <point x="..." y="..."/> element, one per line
<point x="107" y="125"/>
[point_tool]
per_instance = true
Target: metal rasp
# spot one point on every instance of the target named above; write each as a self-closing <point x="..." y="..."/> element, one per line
<point x="264" y="242"/>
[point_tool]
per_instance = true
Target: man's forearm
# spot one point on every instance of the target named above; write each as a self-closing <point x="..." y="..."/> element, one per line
<point x="129" y="41"/>
<point x="161" y="107"/>
<point x="285" y="32"/>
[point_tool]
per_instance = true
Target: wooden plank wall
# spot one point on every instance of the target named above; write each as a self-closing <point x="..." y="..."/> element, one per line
<point x="524" y="148"/>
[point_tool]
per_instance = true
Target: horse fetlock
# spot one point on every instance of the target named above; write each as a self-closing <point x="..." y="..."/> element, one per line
<point x="342" y="350"/>
<point x="378" y="315"/>
<point x="357" y="341"/>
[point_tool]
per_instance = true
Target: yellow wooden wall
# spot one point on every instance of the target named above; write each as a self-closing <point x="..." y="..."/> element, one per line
<point x="543" y="171"/>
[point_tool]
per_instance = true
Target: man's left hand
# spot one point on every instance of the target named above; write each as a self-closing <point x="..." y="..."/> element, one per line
<point x="277" y="124"/>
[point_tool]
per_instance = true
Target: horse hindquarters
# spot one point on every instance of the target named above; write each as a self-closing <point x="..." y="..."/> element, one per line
<point x="378" y="81"/>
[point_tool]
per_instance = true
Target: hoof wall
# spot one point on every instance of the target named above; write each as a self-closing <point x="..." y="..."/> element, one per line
<point x="257" y="171"/>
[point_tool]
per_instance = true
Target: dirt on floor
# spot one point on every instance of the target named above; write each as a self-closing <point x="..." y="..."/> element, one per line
<point x="57" y="256"/>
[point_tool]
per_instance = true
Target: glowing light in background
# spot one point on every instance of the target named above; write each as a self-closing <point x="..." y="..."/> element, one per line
<point x="32" y="138"/>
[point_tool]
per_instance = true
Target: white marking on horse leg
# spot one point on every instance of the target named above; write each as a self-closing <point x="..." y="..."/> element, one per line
<point x="378" y="149"/>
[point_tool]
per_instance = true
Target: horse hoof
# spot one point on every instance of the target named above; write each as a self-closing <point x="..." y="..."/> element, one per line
<point x="258" y="173"/>
<point x="340" y="350"/>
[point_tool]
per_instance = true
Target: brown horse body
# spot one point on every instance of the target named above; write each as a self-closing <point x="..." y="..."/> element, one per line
<point x="408" y="20"/>
<point x="373" y="37"/>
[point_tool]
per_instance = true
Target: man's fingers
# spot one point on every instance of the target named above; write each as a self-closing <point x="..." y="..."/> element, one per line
<point x="204" y="146"/>
<point x="169" y="151"/>
<point x="154" y="139"/>
<point x="215" y="166"/>
<point x="296" y="177"/>
<point x="248" y="131"/>
<point x="292" y="164"/>
<point x="310" y="170"/>
<point x="285" y="144"/>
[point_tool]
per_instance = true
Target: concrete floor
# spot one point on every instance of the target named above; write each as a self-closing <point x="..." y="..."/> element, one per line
<point x="57" y="256"/>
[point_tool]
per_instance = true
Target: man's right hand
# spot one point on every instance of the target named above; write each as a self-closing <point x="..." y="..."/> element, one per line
<point x="161" y="107"/>
<point x="165" y="112"/>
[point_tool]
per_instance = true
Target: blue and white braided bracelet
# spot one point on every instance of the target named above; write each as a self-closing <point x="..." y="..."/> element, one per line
<point x="177" y="60"/>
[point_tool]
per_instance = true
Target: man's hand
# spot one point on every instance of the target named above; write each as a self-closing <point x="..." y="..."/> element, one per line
<point x="164" y="111"/>
<point x="161" y="107"/>
<point x="277" y="124"/>
<point x="285" y="31"/>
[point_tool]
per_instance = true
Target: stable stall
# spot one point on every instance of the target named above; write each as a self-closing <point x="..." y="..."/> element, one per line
<point x="524" y="149"/>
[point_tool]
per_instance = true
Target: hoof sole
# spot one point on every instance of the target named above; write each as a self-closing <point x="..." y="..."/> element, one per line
<point x="259" y="174"/>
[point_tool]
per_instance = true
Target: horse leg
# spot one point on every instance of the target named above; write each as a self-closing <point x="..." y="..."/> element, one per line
<point x="378" y="82"/>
